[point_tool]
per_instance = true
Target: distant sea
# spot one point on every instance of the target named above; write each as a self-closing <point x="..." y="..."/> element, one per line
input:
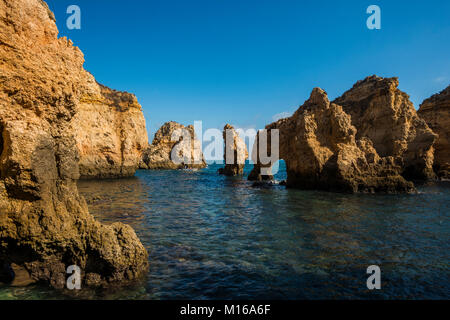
<point x="215" y="237"/>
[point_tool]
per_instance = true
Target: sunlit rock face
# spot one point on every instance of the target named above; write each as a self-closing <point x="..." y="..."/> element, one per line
<point x="174" y="147"/>
<point x="436" y="112"/>
<point x="45" y="225"/>
<point x="323" y="150"/>
<point x="110" y="132"/>
<point x="385" y="115"/>
<point x="235" y="152"/>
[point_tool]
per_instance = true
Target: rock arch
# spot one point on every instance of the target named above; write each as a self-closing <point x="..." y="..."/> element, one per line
<point x="319" y="145"/>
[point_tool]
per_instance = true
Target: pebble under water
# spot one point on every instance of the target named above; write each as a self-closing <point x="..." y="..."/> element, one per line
<point x="215" y="237"/>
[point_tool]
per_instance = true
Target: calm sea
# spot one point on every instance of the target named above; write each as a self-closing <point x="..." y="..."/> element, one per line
<point x="215" y="237"/>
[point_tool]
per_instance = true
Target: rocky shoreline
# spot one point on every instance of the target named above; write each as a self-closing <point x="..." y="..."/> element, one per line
<point x="45" y="225"/>
<point x="57" y="125"/>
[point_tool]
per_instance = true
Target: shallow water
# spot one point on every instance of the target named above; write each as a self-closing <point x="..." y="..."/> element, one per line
<point x="214" y="237"/>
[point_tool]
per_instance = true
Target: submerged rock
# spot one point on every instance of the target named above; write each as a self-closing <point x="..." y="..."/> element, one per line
<point x="268" y="184"/>
<point x="45" y="225"/>
<point x="110" y="131"/>
<point x="385" y="115"/>
<point x="321" y="151"/>
<point x="436" y="112"/>
<point x="235" y="152"/>
<point x="174" y="139"/>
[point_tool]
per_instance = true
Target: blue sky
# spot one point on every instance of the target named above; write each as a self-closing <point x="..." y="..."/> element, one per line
<point x="244" y="61"/>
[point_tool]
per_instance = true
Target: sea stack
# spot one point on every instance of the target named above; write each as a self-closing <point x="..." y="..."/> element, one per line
<point x="321" y="149"/>
<point x="385" y="115"/>
<point x="45" y="225"/>
<point x="235" y="152"/>
<point x="436" y="112"/>
<point x="174" y="147"/>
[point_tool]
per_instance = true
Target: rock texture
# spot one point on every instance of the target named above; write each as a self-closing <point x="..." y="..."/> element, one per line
<point x="321" y="148"/>
<point x="436" y="112"/>
<point x="385" y="115"/>
<point x="110" y="131"/>
<point x="235" y="152"/>
<point x="174" y="139"/>
<point x="45" y="225"/>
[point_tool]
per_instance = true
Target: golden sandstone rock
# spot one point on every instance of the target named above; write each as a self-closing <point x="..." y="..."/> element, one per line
<point x="174" y="138"/>
<point x="368" y="140"/>
<point x="57" y="122"/>
<point x="235" y="152"/>
<point x="110" y="131"/>
<point x="384" y="114"/>
<point x="436" y="112"/>
<point x="45" y="225"/>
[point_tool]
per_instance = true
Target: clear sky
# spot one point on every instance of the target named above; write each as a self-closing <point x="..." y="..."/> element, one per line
<point x="245" y="61"/>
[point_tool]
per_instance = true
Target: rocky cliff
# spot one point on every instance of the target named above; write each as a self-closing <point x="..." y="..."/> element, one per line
<point x="235" y="152"/>
<point x="320" y="147"/>
<point x="174" y="147"/>
<point x="45" y="225"/>
<point x="436" y="112"/>
<point x="385" y="115"/>
<point x="110" y="131"/>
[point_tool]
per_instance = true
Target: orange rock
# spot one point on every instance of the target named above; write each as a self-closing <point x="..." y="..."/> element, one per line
<point x="110" y="131"/>
<point x="235" y="152"/>
<point x="44" y="223"/>
<point x="320" y="148"/>
<point x="436" y="112"/>
<point x="158" y="155"/>
<point x="384" y="114"/>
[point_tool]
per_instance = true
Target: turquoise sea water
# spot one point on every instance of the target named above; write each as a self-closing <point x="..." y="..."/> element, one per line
<point x="215" y="237"/>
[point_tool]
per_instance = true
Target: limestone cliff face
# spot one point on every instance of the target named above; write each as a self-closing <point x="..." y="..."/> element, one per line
<point x="110" y="131"/>
<point x="320" y="147"/>
<point x="45" y="225"/>
<point x="174" y="139"/>
<point x="235" y="152"/>
<point x="385" y="115"/>
<point x="436" y="112"/>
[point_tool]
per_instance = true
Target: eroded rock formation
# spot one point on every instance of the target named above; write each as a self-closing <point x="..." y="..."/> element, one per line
<point x="109" y="128"/>
<point x="436" y="112"/>
<point x="385" y="115"/>
<point x="235" y="152"/>
<point x="322" y="150"/>
<point x="174" y="139"/>
<point x="45" y="225"/>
